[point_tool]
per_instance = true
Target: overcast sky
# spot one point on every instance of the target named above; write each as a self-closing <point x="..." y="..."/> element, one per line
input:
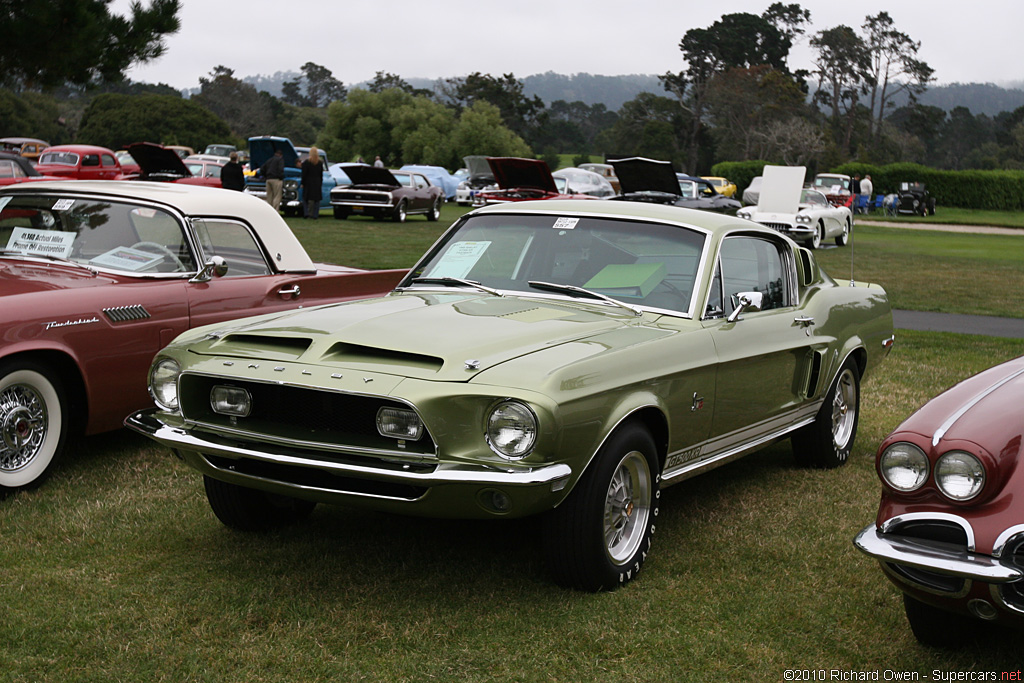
<point x="963" y="42"/>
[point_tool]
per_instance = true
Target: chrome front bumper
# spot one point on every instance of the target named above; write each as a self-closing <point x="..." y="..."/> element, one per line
<point x="935" y="557"/>
<point x="447" y="489"/>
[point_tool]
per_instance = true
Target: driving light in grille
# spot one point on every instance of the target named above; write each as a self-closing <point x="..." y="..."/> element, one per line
<point x="233" y="401"/>
<point x="399" y="424"/>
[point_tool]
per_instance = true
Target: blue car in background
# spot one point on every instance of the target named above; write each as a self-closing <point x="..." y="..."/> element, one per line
<point x="437" y="176"/>
<point x="262" y="148"/>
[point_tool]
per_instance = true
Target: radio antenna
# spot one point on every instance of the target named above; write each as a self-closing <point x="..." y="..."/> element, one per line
<point x="851" y="249"/>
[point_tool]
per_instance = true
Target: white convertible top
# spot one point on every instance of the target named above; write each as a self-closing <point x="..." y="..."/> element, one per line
<point x="194" y="202"/>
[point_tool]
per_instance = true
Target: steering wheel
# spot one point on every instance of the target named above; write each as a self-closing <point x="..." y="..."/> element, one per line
<point x="162" y="250"/>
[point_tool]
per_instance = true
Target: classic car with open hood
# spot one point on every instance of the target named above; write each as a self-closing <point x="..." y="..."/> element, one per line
<point x="385" y="194"/>
<point x="557" y="358"/>
<point x="261" y="148"/>
<point x="160" y="164"/>
<point x="950" y="527"/>
<point x="521" y="180"/>
<point x="655" y="182"/>
<point x="480" y="178"/>
<point x="97" y="276"/>
<point x="803" y="214"/>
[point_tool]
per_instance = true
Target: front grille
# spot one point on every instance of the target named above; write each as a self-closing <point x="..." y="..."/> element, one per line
<point x="1013" y="593"/>
<point x="933" y="531"/>
<point x="299" y="415"/>
<point x="361" y="197"/>
<point x="778" y="227"/>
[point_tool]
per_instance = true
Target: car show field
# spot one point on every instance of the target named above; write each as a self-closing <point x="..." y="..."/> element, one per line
<point x="756" y="553"/>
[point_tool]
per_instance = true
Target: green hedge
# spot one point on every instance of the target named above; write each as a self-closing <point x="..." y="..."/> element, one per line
<point x="739" y="172"/>
<point x="997" y="190"/>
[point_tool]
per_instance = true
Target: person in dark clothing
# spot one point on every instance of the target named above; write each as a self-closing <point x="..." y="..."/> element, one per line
<point x="273" y="170"/>
<point x="312" y="183"/>
<point x="231" y="175"/>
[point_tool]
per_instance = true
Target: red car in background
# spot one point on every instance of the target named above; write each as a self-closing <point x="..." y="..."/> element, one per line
<point x="96" y="277"/>
<point x="521" y="180"/>
<point x="950" y="526"/>
<point x="79" y="162"/>
<point x="162" y="164"/>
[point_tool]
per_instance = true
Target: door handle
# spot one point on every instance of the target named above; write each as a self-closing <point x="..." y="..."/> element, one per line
<point x="294" y="293"/>
<point x="804" y="321"/>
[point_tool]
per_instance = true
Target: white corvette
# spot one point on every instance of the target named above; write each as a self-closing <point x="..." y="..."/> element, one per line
<point x="803" y="214"/>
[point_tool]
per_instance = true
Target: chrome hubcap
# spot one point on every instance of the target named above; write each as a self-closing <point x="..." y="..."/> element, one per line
<point x="627" y="507"/>
<point x="23" y="427"/>
<point x="844" y="409"/>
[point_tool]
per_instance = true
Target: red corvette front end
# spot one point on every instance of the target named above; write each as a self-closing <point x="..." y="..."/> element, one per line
<point x="950" y="526"/>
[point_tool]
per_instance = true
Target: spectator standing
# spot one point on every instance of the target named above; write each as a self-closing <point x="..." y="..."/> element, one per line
<point x="231" y="175"/>
<point x="855" y="185"/>
<point x="312" y="183"/>
<point x="273" y="170"/>
<point x="866" y="188"/>
<point x="378" y="163"/>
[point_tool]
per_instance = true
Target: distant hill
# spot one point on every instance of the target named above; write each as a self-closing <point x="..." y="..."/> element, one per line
<point x="614" y="91"/>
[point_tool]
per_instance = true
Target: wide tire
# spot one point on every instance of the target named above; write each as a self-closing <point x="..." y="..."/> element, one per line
<point x="435" y="210"/>
<point x="340" y="213"/>
<point x="399" y="215"/>
<point x="599" y="537"/>
<point x="938" y="628"/>
<point x="826" y="443"/>
<point x="252" y="510"/>
<point x="33" y="423"/>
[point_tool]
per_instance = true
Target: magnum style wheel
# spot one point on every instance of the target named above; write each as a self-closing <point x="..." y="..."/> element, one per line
<point x="33" y="423"/>
<point x="399" y="214"/>
<point x="599" y="537"/>
<point x="827" y="442"/>
<point x="251" y="510"/>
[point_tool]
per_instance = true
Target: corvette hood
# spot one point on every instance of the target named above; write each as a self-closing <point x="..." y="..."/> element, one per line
<point x="638" y="174"/>
<point x="429" y="336"/>
<point x="516" y="173"/>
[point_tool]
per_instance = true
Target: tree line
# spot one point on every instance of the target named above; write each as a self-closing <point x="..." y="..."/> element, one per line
<point x="735" y="98"/>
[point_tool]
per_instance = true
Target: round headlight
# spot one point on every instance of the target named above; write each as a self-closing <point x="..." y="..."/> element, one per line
<point x="163" y="383"/>
<point x="511" y="430"/>
<point x="904" y="466"/>
<point x="743" y="214"/>
<point x="959" y="475"/>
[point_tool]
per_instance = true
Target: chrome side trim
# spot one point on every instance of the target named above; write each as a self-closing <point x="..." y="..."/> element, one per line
<point x="737" y="444"/>
<point x="934" y="557"/>
<point x="948" y="424"/>
<point x="888" y="525"/>
<point x="120" y="314"/>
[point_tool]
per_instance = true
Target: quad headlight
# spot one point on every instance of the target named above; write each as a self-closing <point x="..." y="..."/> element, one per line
<point x="904" y="467"/>
<point x="511" y="430"/>
<point x="163" y="383"/>
<point x="959" y="475"/>
<point x="744" y="214"/>
<point x="802" y="218"/>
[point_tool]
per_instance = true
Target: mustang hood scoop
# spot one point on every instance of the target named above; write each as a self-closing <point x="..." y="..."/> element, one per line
<point x="451" y="328"/>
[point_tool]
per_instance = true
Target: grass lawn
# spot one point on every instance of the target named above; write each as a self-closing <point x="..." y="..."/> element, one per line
<point x="116" y="570"/>
<point x="955" y="216"/>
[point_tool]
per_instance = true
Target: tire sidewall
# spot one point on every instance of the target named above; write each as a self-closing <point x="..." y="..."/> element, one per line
<point x="49" y="390"/>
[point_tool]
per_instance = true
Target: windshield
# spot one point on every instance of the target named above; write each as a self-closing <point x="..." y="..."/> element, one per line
<point x="652" y="265"/>
<point x="103" y="234"/>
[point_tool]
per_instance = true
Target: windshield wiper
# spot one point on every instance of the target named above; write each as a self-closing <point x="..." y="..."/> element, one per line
<point x="49" y="257"/>
<point x="579" y="291"/>
<point x="454" y="281"/>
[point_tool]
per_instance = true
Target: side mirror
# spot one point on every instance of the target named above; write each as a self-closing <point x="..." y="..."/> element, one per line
<point x="745" y="302"/>
<point x="215" y="267"/>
